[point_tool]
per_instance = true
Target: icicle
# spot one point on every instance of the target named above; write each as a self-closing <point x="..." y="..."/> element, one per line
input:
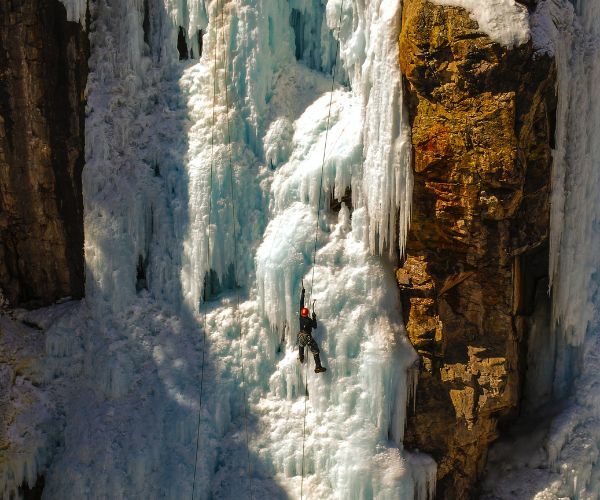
<point x="412" y="376"/>
<point x="387" y="177"/>
<point x="574" y="237"/>
<point x="76" y="10"/>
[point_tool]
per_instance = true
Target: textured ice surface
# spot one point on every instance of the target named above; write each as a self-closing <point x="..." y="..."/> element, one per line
<point x="574" y="261"/>
<point x="126" y="365"/>
<point x="504" y="21"/>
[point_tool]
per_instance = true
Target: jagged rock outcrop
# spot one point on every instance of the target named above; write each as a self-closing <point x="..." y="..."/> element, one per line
<point x="43" y="72"/>
<point x="482" y="124"/>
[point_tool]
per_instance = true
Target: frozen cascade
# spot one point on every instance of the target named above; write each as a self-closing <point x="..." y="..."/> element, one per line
<point x="562" y="461"/>
<point x="574" y="261"/>
<point x="124" y="365"/>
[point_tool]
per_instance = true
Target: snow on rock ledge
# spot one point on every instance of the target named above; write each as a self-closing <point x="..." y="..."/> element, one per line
<point x="504" y="21"/>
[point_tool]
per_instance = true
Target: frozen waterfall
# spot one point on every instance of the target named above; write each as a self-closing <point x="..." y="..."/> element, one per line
<point x="163" y="144"/>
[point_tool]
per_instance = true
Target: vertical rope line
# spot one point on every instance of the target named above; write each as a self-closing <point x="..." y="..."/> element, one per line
<point x="312" y="281"/>
<point x="304" y="424"/>
<point x="208" y="275"/>
<point x="325" y="147"/>
<point x="235" y="254"/>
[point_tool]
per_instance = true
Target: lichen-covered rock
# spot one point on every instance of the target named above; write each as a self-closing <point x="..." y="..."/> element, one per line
<point x="43" y="72"/>
<point x="481" y="118"/>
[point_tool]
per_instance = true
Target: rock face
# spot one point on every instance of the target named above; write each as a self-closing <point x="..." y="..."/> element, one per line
<point x="482" y="124"/>
<point x="43" y="72"/>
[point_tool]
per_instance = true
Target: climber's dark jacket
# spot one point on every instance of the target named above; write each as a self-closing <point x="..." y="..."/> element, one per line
<point x="306" y="323"/>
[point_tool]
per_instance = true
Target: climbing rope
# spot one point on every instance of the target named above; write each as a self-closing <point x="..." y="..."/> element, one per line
<point x="325" y="147"/>
<point x="208" y="276"/>
<point x="312" y="281"/>
<point x="235" y="258"/>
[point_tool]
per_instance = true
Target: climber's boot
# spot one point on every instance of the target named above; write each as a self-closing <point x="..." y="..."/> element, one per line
<point x="318" y="367"/>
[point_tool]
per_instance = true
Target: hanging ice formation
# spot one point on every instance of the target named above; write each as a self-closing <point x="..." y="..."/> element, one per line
<point x="124" y="365"/>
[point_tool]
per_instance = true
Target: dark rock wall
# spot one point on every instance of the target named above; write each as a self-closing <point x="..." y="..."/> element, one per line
<point x="43" y="72"/>
<point x="482" y="122"/>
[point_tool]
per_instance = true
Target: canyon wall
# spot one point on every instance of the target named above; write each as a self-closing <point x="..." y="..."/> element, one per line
<point x="43" y="72"/>
<point x="476" y="263"/>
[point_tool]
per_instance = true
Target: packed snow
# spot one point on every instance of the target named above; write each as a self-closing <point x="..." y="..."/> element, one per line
<point x="172" y="247"/>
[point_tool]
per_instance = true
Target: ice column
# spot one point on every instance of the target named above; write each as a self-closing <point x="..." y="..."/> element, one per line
<point x="575" y="216"/>
<point x="370" y="53"/>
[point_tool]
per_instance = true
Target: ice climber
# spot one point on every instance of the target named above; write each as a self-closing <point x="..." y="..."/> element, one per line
<point x="305" y="335"/>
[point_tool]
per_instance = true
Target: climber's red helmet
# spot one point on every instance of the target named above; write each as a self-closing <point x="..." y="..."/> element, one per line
<point x="304" y="312"/>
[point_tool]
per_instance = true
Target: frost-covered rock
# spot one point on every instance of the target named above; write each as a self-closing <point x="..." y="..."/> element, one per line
<point x="504" y="21"/>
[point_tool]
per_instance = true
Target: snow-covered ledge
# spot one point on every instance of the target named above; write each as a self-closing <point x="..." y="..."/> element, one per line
<point x="504" y="21"/>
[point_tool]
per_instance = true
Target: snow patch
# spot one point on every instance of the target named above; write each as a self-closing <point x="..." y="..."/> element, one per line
<point x="504" y="21"/>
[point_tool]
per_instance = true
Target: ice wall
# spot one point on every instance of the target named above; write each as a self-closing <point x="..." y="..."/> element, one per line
<point x="165" y="139"/>
<point x="574" y="260"/>
<point x="575" y="239"/>
<point x="135" y="193"/>
<point x="26" y="429"/>
<point x="387" y="179"/>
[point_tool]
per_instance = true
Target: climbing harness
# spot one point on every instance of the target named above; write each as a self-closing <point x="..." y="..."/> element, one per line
<point x="312" y="282"/>
<point x="237" y="295"/>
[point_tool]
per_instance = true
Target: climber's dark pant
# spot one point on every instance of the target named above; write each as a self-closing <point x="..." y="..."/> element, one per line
<point x="306" y="339"/>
